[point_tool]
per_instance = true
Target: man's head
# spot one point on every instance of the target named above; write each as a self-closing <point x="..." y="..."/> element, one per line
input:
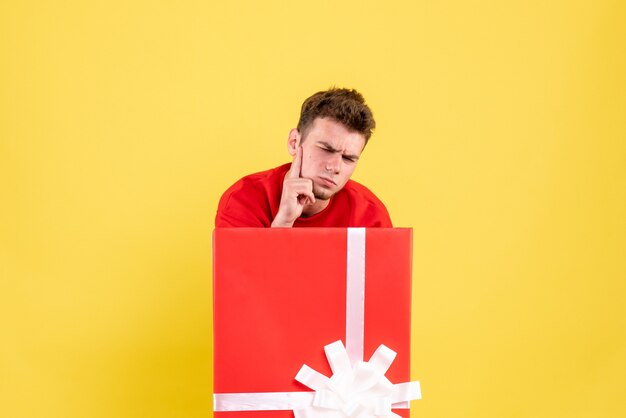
<point x="333" y="129"/>
<point x="345" y="106"/>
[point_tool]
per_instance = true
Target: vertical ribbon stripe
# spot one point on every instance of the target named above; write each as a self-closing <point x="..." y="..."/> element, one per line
<point x="355" y="294"/>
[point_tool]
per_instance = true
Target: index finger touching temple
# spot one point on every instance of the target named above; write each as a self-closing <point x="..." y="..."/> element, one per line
<point x="296" y="164"/>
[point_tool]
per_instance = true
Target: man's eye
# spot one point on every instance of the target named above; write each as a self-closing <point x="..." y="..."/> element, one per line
<point x="348" y="159"/>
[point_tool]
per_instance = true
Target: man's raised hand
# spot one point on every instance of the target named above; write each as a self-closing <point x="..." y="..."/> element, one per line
<point x="297" y="192"/>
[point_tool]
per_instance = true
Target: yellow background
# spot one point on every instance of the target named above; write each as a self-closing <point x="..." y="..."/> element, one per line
<point x="501" y="141"/>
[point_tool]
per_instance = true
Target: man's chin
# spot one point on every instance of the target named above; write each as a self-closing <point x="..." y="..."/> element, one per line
<point x="322" y="194"/>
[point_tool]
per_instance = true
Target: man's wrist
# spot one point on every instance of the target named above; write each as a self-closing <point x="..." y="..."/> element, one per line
<point x="280" y="223"/>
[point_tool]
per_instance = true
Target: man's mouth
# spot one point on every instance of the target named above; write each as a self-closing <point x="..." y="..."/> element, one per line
<point x="327" y="182"/>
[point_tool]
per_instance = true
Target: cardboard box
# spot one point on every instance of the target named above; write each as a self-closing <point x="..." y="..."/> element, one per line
<point x="281" y="295"/>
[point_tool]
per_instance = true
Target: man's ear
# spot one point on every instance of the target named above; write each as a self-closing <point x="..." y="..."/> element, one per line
<point x="293" y="141"/>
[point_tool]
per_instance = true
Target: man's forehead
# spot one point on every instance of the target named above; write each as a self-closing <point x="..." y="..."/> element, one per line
<point x="332" y="133"/>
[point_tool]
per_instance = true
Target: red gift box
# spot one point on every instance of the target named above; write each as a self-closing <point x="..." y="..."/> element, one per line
<point x="281" y="295"/>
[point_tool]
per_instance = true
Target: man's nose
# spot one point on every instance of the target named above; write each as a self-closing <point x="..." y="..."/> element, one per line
<point x="333" y="164"/>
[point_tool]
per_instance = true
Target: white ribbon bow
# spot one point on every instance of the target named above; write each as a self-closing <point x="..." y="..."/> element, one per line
<point x="361" y="391"/>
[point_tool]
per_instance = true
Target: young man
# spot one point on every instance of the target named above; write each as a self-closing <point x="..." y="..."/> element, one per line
<point x="315" y="190"/>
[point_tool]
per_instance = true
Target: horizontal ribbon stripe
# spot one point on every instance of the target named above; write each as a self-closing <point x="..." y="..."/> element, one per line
<point x="262" y="401"/>
<point x="269" y="401"/>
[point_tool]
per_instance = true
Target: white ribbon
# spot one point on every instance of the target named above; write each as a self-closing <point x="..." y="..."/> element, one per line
<point x="263" y="401"/>
<point x="355" y="294"/>
<point x="356" y="389"/>
<point x="360" y="390"/>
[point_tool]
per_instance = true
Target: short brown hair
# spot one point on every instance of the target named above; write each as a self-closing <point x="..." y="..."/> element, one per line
<point x="346" y="106"/>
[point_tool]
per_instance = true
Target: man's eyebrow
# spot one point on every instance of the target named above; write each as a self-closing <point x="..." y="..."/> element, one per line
<point x="333" y="149"/>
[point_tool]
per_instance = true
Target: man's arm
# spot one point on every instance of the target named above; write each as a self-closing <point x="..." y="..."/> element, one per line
<point x="244" y="204"/>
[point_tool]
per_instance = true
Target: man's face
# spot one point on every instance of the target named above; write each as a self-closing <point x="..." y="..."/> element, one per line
<point x="330" y="153"/>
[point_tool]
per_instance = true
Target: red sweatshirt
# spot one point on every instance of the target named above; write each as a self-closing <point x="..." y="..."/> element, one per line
<point x="253" y="202"/>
